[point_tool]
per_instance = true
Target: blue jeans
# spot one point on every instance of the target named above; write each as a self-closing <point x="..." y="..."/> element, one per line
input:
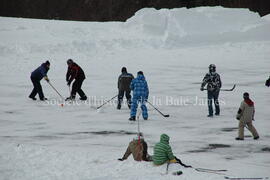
<point x="213" y="95"/>
<point x="134" y="105"/>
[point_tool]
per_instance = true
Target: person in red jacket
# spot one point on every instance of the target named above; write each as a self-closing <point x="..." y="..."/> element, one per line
<point x="75" y="72"/>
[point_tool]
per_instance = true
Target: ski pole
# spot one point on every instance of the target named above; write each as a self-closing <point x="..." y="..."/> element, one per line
<point x="55" y="90"/>
<point x="106" y="102"/>
<point x="167" y="168"/>
<point x="164" y="115"/>
<point x="139" y="137"/>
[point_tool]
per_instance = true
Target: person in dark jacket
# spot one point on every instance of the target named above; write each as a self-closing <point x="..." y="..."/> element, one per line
<point x="124" y="81"/>
<point x="213" y="81"/>
<point x="140" y="95"/>
<point x="267" y="82"/>
<point x="163" y="152"/>
<point x="36" y="76"/>
<point x="138" y="148"/>
<point x="74" y="71"/>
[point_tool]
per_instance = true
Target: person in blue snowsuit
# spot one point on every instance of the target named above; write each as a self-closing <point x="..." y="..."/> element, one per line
<point x="36" y="76"/>
<point x="140" y="95"/>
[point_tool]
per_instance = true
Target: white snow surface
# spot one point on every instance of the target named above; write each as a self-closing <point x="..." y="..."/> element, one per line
<point x="44" y="141"/>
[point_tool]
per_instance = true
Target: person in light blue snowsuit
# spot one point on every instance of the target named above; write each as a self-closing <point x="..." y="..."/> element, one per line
<point x="140" y="95"/>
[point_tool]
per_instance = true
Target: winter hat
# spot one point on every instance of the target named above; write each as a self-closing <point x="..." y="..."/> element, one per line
<point x="69" y="61"/>
<point x="140" y="73"/>
<point x="124" y="69"/>
<point x="47" y="62"/>
<point x="246" y="95"/>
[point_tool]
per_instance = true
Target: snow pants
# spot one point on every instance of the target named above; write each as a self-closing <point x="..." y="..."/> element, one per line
<point x="250" y="126"/>
<point x="77" y="88"/>
<point x="121" y="96"/>
<point x="135" y="101"/>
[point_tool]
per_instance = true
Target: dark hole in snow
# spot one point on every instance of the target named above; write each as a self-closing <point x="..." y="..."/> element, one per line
<point x="229" y="129"/>
<point x="214" y="146"/>
<point x="210" y="147"/>
<point x="198" y="151"/>
<point x="9" y="112"/>
<point x="110" y="132"/>
<point x="266" y="149"/>
<point x="100" y="133"/>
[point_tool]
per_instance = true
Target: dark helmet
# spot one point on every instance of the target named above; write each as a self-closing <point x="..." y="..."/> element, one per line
<point x="246" y="95"/>
<point x="69" y="61"/>
<point x="140" y="73"/>
<point x="212" y="68"/>
<point x="124" y="69"/>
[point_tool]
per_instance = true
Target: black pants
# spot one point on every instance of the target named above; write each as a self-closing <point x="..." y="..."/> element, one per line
<point x="213" y="95"/>
<point x="37" y="89"/>
<point x="121" y="96"/>
<point x="77" y="88"/>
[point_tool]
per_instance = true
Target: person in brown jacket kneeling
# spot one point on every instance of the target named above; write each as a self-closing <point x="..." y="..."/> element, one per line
<point x="245" y="116"/>
<point x="138" y="148"/>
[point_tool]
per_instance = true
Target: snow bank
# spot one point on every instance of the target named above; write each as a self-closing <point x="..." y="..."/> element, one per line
<point x="149" y="28"/>
<point x="181" y="27"/>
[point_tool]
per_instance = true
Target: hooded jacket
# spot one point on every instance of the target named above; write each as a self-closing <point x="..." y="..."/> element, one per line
<point x="139" y="87"/>
<point x="246" y="111"/>
<point x="124" y="81"/>
<point x="163" y="151"/>
<point x="40" y="72"/>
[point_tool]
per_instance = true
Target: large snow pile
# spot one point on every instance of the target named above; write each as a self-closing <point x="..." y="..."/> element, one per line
<point x="42" y="140"/>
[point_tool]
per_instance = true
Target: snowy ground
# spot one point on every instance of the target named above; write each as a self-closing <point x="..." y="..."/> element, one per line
<point x="45" y="141"/>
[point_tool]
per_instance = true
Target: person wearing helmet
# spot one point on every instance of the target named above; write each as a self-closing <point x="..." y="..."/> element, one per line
<point x="124" y="81"/>
<point x="138" y="148"/>
<point x="213" y="81"/>
<point x="36" y="76"/>
<point x="163" y="152"/>
<point x="74" y="71"/>
<point x="245" y="115"/>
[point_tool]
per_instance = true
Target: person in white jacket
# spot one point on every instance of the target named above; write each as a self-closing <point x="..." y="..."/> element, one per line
<point x="245" y="115"/>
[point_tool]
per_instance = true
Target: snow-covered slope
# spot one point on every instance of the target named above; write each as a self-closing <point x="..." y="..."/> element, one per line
<point x="174" y="48"/>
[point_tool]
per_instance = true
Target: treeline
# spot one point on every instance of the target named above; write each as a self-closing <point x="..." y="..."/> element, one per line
<point x="111" y="10"/>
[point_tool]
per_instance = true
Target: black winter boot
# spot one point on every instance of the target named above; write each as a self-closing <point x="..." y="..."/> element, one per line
<point x="119" y="106"/>
<point x="132" y="118"/>
<point x="83" y="98"/>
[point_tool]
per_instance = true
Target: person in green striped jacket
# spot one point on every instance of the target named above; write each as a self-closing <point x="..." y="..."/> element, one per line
<point x="163" y="152"/>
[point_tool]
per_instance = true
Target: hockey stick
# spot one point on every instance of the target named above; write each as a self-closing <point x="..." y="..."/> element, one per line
<point x="229" y="89"/>
<point x="107" y="102"/>
<point x="225" y="89"/>
<point x="243" y="178"/>
<point x="164" y="115"/>
<point x="212" y="170"/>
<point x="55" y="90"/>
